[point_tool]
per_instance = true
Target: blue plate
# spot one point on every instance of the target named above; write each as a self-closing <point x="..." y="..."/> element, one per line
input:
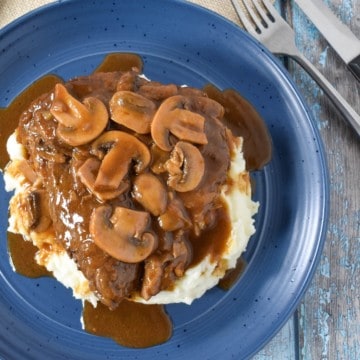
<point x="179" y="43"/>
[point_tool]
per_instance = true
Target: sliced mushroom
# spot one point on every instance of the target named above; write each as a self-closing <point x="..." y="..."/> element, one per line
<point x="124" y="234"/>
<point x="132" y="110"/>
<point x="186" y="167"/>
<point x="79" y="123"/>
<point x="36" y="217"/>
<point x="151" y="193"/>
<point x="158" y="159"/>
<point x="208" y="107"/>
<point x="172" y="117"/>
<point x="175" y="217"/>
<point x="118" y="150"/>
<point x="87" y="174"/>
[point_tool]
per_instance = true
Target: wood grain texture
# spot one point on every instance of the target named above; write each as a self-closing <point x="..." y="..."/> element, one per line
<point x="329" y="315"/>
<point x="284" y="346"/>
<point x="327" y="322"/>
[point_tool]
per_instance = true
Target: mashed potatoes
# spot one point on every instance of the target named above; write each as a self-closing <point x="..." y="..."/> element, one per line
<point x="117" y="180"/>
<point x="196" y="281"/>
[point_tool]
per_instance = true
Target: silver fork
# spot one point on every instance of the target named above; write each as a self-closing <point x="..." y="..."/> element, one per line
<point x="265" y="24"/>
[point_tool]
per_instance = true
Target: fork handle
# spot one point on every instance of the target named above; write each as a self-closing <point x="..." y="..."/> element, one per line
<point x="340" y="103"/>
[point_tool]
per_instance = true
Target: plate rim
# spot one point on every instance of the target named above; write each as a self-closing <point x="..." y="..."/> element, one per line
<point x="301" y="101"/>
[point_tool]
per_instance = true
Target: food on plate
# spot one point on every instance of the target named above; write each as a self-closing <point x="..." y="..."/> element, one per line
<point x="130" y="189"/>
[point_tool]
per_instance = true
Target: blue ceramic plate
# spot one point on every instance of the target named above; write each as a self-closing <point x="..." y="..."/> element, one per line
<point x="179" y="43"/>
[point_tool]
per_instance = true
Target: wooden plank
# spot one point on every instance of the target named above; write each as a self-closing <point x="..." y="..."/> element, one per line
<point x="284" y="345"/>
<point x="329" y="315"/>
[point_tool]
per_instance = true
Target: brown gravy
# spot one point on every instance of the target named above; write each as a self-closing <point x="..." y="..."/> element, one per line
<point x="120" y="62"/>
<point x="243" y="120"/>
<point x="233" y="275"/>
<point x="126" y="324"/>
<point x="22" y="255"/>
<point x="206" y="243"/>
<point x="130" y="324"/>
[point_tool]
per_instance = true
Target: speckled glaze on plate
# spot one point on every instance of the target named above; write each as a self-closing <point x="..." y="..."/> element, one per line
<point x="179" y="43"/>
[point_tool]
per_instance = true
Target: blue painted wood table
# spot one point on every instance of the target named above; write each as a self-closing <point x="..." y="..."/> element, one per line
<point x="326" y="324"/>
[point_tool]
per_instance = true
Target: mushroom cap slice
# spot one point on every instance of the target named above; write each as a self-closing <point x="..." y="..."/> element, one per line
<point x="36" y="204"/>
<point x="124" y="234"/>
<point x="132" y="110"/>
<point x="175" y="217"/>
<point x="158" y="159"/>
<point x="151" y="193"/>
<point x="79" y="123"/>
<point x="186" y="167"/>
<point x="173" y="117"/>
<point x="87" y="173"/>
<point x="121" y="151"/>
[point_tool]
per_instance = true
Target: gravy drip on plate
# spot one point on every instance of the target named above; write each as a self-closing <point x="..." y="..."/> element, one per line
<point x="120" y="62"/>
<point x="243" y="120"/>
<point x="22" y="255"/>
<point x="240" y="117"/>
<point x="130" y="324"/>
<point x="233" y="275"/>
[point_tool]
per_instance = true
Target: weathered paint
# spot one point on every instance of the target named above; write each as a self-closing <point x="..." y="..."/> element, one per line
<point x="323" y="57"/>
<point x="329" y="315"/>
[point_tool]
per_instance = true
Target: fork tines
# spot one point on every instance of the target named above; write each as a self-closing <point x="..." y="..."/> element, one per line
<point x="254" y="14"/>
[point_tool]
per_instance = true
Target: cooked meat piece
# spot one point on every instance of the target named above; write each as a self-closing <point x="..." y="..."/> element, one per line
<point x="72" y="201"/>
<point x="163" y="267"/>
<point x="157" y="91"/>
<point x="153" y="275"/>
<point x="112" y="280"/>
<point x="182" y="254"/>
